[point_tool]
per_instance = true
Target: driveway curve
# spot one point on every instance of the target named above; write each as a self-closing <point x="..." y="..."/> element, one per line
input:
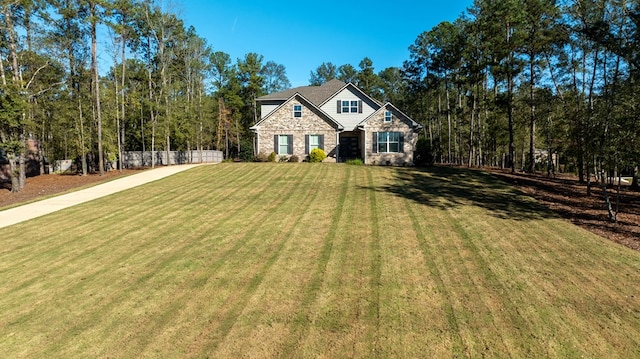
<point x="40" y="208"/>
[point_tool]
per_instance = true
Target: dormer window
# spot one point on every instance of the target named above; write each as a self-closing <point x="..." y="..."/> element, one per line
<point x="297" y="110"/>
<point x="387" y="116"/>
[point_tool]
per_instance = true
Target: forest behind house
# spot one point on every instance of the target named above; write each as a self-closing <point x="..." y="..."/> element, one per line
<point x="530" y="85"/>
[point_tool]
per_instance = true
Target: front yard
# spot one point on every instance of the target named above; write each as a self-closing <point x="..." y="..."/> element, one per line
<point x="315" y="260"/>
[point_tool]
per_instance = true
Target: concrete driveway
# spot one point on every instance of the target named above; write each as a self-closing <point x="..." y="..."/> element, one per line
<point x="36" y="209"/>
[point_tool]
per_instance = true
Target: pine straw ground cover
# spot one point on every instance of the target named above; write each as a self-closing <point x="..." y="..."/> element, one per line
<point x="315" y="260"/>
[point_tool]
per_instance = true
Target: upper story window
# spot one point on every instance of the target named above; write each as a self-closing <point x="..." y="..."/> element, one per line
<point x="297" y="110"/>
<point x="349" y="106"/>
<point x="387" y="116"/>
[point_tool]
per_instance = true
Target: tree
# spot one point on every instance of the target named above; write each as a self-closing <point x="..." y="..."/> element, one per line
<point x="275" y="77"/>
<point x="347" y="73"/>
<point x="95" y="14"/>
<point x="540" y="31"/>
<point x="367" y="80"/>
<point x="324" y="73"/>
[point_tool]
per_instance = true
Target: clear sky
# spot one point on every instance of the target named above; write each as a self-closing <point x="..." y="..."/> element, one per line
<point x="301" y="35"/>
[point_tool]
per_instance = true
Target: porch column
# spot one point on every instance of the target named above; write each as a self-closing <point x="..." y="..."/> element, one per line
<point x="337" y="146"/>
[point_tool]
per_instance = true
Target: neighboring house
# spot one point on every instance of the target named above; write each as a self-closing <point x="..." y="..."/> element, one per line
<point x="338" y="118"/>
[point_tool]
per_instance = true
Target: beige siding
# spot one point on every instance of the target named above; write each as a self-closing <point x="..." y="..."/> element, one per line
<point x="349" y="120"/>
<point x="267" y="109"/>
<point x="377" y="124"/>
<point x="282" y="122"/>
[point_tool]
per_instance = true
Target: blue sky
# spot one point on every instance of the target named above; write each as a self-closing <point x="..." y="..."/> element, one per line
<point x="302" y="35"/>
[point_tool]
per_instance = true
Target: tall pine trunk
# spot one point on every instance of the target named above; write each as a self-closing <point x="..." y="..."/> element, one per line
<point x="96" y="84"/>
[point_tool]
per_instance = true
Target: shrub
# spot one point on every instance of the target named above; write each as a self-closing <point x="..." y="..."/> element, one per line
<point x="423" y="155"/>
<point x="294" y="158"/>
<point x="317" y="155"/>
<point x="355" y="162"/>
<point x="261" y="157"/>
<point x="272" y="157"/>
<point x="283" y="159"/>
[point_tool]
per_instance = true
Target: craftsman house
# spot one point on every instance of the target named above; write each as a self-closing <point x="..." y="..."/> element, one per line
<point x="338" y="118"/>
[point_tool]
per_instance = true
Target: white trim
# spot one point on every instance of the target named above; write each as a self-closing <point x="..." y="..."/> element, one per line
<point x="286" y="152"/>
<point x="294" y="110"/>
<point x="388" y="142"/>
<point x="390" y="117"/>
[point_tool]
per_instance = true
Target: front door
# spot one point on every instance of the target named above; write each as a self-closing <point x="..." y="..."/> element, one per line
<point x="349" y="148"/>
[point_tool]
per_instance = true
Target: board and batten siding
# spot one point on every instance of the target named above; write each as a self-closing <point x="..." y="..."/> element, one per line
<point x="349" y="120"/>
<point x="282" y="122"/>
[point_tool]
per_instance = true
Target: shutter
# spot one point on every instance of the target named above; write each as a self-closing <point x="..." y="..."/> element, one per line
<point x="321" y="142"/>
<point x="306" y="144"/>
<point x="290" y="144"/>
<point x="375" y="142"/>
<point x="401" y="145"/>
<point x="275" y="144"/>
<point x="360" y="106"/>
<point x="339" y="106"/>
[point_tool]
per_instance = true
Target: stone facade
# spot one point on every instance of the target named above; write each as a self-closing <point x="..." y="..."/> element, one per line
<point x="283" y="122"/>
<point x="399" y="123"/>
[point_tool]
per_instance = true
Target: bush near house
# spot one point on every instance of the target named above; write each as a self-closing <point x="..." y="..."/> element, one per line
<point x="317" y="155"/>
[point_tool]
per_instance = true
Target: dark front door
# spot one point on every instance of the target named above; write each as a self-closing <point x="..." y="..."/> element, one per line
<point x="349" y="148"/>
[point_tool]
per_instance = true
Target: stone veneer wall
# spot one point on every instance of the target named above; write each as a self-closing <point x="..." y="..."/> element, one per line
<point x="377" y="124"/>
<point x="282" y="122"/>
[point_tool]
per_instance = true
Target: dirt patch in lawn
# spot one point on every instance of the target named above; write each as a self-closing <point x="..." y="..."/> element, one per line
<point x="566" y="196"/>
<point x="48" y="185"/>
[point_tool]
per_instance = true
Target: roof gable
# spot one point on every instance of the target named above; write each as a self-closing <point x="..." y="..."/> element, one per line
<point x="299" y="97"/>
<point x="353" y="88"/>
<point x="390" y="107"/>
<point x="313" y="94"/>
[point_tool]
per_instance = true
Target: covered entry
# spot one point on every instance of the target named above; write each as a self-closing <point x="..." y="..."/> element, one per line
<point x="350" y="146"/>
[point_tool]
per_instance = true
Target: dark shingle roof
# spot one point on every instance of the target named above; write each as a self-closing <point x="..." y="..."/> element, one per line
<point x="316" y="94"/>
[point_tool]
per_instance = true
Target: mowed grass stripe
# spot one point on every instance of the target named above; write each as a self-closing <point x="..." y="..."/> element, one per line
<point x="340" y="321"/>
<point x="295" y="198"/>
<point x="300" y="325"/>
<point x="430" y="252"/>
<point x="271" y="313"/>
<point x="376" y="267"/>
<point x="412" y="320"/>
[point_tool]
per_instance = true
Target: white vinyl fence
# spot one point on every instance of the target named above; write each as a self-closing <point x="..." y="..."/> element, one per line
<point x="141" y="159"/>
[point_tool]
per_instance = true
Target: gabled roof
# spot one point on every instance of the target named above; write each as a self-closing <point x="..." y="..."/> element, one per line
<point x="389" y="105"/>
<point x="351" y="86"/>
<point x="313" y="94"/>
<point x="301" y="98"/>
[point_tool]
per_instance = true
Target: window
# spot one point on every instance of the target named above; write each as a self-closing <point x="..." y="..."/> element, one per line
<point x="312" y="142"/>
<point x="283" y="144"/>
<point x="349" y="106"/>
<point x="388" y="142"/>
<point x="354" y="107"/>
<point x="387" y="116"/>
<point x="297" y="110"/>
<point x="345" y="106"/>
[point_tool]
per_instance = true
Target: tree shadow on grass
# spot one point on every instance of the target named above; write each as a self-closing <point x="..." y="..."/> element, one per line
<point x="450" y="187"/>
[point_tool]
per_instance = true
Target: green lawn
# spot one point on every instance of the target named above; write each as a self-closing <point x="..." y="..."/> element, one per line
<point x="315" y="260"/>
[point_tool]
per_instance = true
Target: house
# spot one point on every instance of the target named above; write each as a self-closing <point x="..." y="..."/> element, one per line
<point x="338" y="118"/>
